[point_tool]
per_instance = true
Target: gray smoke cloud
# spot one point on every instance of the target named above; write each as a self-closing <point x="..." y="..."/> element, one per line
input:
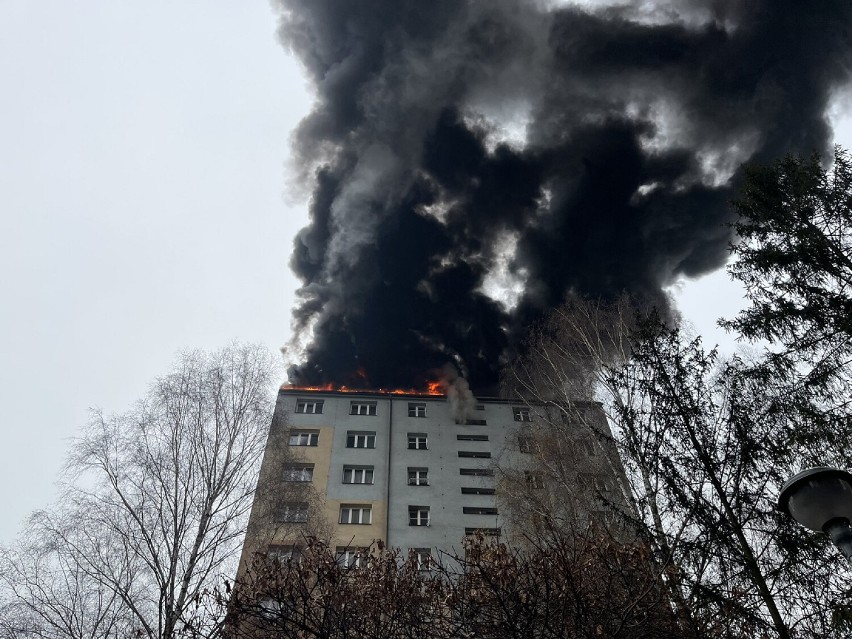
<point x="473" y="162"/>
<point x="459" y="395"/>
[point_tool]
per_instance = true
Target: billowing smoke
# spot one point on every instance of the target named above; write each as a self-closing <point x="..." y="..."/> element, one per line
<point x="459" y="395"/>
<point x="471" y="162"/>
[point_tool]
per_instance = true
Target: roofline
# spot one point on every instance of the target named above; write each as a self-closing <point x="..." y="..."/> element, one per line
<point x="391" y="394"/>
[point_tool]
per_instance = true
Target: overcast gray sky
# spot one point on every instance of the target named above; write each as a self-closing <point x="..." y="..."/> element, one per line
<point x="142" y="152"/>
<point x="142" y="179"/>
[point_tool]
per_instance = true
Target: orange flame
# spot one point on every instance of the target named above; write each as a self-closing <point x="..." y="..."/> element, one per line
<point x="432" y="388"/>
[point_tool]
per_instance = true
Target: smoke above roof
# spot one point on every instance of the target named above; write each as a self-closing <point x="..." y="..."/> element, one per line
<point x="472" y="162"/>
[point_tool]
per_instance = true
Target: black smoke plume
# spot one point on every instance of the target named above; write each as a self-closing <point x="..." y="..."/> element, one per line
<point x="472" y="162"/>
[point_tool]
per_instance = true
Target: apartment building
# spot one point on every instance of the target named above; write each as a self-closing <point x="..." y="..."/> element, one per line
<point x="408" y="469"/>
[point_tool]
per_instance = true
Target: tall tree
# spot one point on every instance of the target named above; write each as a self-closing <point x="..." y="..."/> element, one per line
<point x="794" y="257"/>
<point x="158" y="497"/>
<point x="706" y="444"/>
<point x="794" y="254"/>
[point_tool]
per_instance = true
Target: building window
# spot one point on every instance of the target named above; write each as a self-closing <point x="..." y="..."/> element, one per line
<point x="349" y="556"/>
<point x="477" y="490"/>
<point x="418" y="476"/>
<point x="521" y="413"/>
<point x="422" y="556"/>
<point x="417" y="441"/>
<point x="357" y="474"/>
<point x="472" y="438"/>
<point x="356" y="439"/>
<point x="362" y="408"/>
<point x="534" y="480"/>
<point x="309" y="406"/>
<point x="479" y="510"/>
<point x="298" y="472"/>
<point x="488" y="532"/>
<point x="475" y="454"/>
<point x="476" y="472"/>
<point x="479" y="407"/>
<point x="418" y="515"/>
<point x="475" y="422"/>
<point x="294" y="512"/>
<point x="417" y="410"/>
<point x="282" y="554"/>
<point x="304" y="437"/>
<point x="356" y="514"/>
<point x="525" y="443"/>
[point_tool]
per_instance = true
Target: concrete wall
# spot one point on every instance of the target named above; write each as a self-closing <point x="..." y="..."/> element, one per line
<point x="390" y="495"/>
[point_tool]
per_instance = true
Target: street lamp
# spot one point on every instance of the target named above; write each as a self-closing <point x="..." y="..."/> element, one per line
<point x="820" y="499"/>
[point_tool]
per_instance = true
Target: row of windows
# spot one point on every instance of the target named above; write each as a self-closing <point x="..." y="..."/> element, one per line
<point x="356" y="557"/>
<point x="415" y="409"/>
<point x="367" y="439"/>
<point x="362" y="514"/>
<point x="419" y="441"/>
<point x="315" y="406"/>
<point x="366" y="474"/>
<point x="348" y="555"/>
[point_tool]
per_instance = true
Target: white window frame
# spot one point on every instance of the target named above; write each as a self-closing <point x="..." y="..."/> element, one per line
<point x="355" y="514"/>
<point x="419" y="516"/>
<point x="294" y="512"/>
<point x="309" y="406"/>
<point x="521" y="413"/>
<point x="526" y="442"/>
<point x="360" y="439"/>
<point x="358" y="475"/>
<point x="480" y="510"/>
<point x="282" y="554"/>
<point x="416" y="409"/>
<point x="298" y="472"/>
<point x="304" y="438"/>
<point x="418" y="441"/>
<point x="418" y="476"/>
<point x="423" y="557"/>
<point x="363" y="408"/>
<point x="350" y="556"/>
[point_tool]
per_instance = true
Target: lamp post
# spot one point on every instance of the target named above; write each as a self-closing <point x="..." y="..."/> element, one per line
<point x="820" y="499"/>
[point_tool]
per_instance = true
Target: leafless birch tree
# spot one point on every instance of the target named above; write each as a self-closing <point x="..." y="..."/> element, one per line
<point x="157" y="498"/>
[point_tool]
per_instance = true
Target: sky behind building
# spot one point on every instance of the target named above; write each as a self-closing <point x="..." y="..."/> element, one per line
<point x="145" y="209"/>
